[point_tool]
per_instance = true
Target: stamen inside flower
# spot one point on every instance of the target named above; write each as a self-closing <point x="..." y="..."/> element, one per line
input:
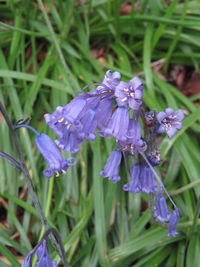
<point x="61" y="120"/>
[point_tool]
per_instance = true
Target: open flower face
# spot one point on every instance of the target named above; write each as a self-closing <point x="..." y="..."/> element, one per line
<point x="130" y="93"/>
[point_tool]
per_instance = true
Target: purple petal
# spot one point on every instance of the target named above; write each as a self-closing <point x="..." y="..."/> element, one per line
<point x="134" y="184"/>
<point x="173" y="221"/>
<point x="134" y="104"/>
<point x="160" y="116"/>
<point x="179" y="114"/>
<point x="169" y="111"/>
<point x="112" y="166"/>
<point x="171" y="132"/>
<point x="137" y="83"/>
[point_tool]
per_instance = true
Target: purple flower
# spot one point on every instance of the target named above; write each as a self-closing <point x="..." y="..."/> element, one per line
<point x="69" y="141"/>
<point x="89" y="125"/>
<point x="169" y="121"/>
<point x="111" y="168"/>
<point x="111" y="80"/>
<point x="49" y="151"/>
<point x="142" y="180"/>
<point x="118" y="124"/>
<point x="160" y="209"/>
<point x="104" y="113"/>
<point x="148" y="184"/>
<point x="134" y="131"/>
<point x="130" y="93"/>
<point x="173" y="221"/>
<point x="67" y="116"/>
<point x="44" y="259"/>
<point x="134" y="185"/>
<point x="27" y="260"/>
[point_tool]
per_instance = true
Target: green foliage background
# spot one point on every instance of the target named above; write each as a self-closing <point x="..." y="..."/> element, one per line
<point x="100" y="224"/>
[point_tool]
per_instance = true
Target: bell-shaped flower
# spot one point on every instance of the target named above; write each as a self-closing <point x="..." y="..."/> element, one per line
<point x="111" y="168"/>
<point x="173" y="221"/>
<point x="27" y="260"/>
<point x="134" y="185"/>
<point x="160" y="209"/>
<point x="130" y="93"/>
<point x="118" y="124"/>
<point x="89" y="125"/>
<point x="104" y="113"/>
<point x="69" y="141"/>
<point x="56" y="163"/>
<point x="169" y="121"/>
<point x="67" y="116"/>
<point x="148" y="184"/>
<point x="44" y="259"/>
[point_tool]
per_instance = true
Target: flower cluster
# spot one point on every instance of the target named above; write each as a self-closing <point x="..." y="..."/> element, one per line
<point x="114" y="108"/>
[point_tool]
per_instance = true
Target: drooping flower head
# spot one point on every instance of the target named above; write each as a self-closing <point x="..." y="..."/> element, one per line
<point x="56" y="163"/>
<point x="169" y="121"/>
<point x="161" y="212"/>
<point x="130" y="93"/>
<point x="148" y="184"/>
<point x="118" y="124"/>
<point x="111" y="168"/>
<point x="27" y="260"/>
<point x="134" y="185"/>
<point x="173" y="221"/>
<point x="44" y="259"/>
<point x="142" y="180"/>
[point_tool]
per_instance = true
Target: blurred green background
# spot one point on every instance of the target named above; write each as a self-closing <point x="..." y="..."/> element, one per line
<point x="40" y="69"/>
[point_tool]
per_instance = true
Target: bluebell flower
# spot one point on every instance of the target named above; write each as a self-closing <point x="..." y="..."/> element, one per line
<point x="43" y="256"/>
<point x="89" y="125"/>
<point x="104" y="113"/>
<point x="134" y="131"/>
<point x="49" y="151"/>
<point x="27" y="260"/>
<point x="118" y="124"/>
<point x="67" y="116"/>
<point x="111" y="80"/>
<point x="130" y="93"/>
<point x="160" y="209"/>
<point x="134" y="185"/>
<point x="148" y="184"/>
<point x="169" y="121"/>
<point x="69" y="141"/>
<point x="111" y="168"/>
<point x="173" y="221"/>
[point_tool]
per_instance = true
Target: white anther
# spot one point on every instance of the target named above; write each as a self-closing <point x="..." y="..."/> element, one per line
<point x="63" y="171"/>
<point x="68" y="126"/>
<point x="124" y="99"/>
<point x="61" y="120"/>
<point x="57" y="173"/>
